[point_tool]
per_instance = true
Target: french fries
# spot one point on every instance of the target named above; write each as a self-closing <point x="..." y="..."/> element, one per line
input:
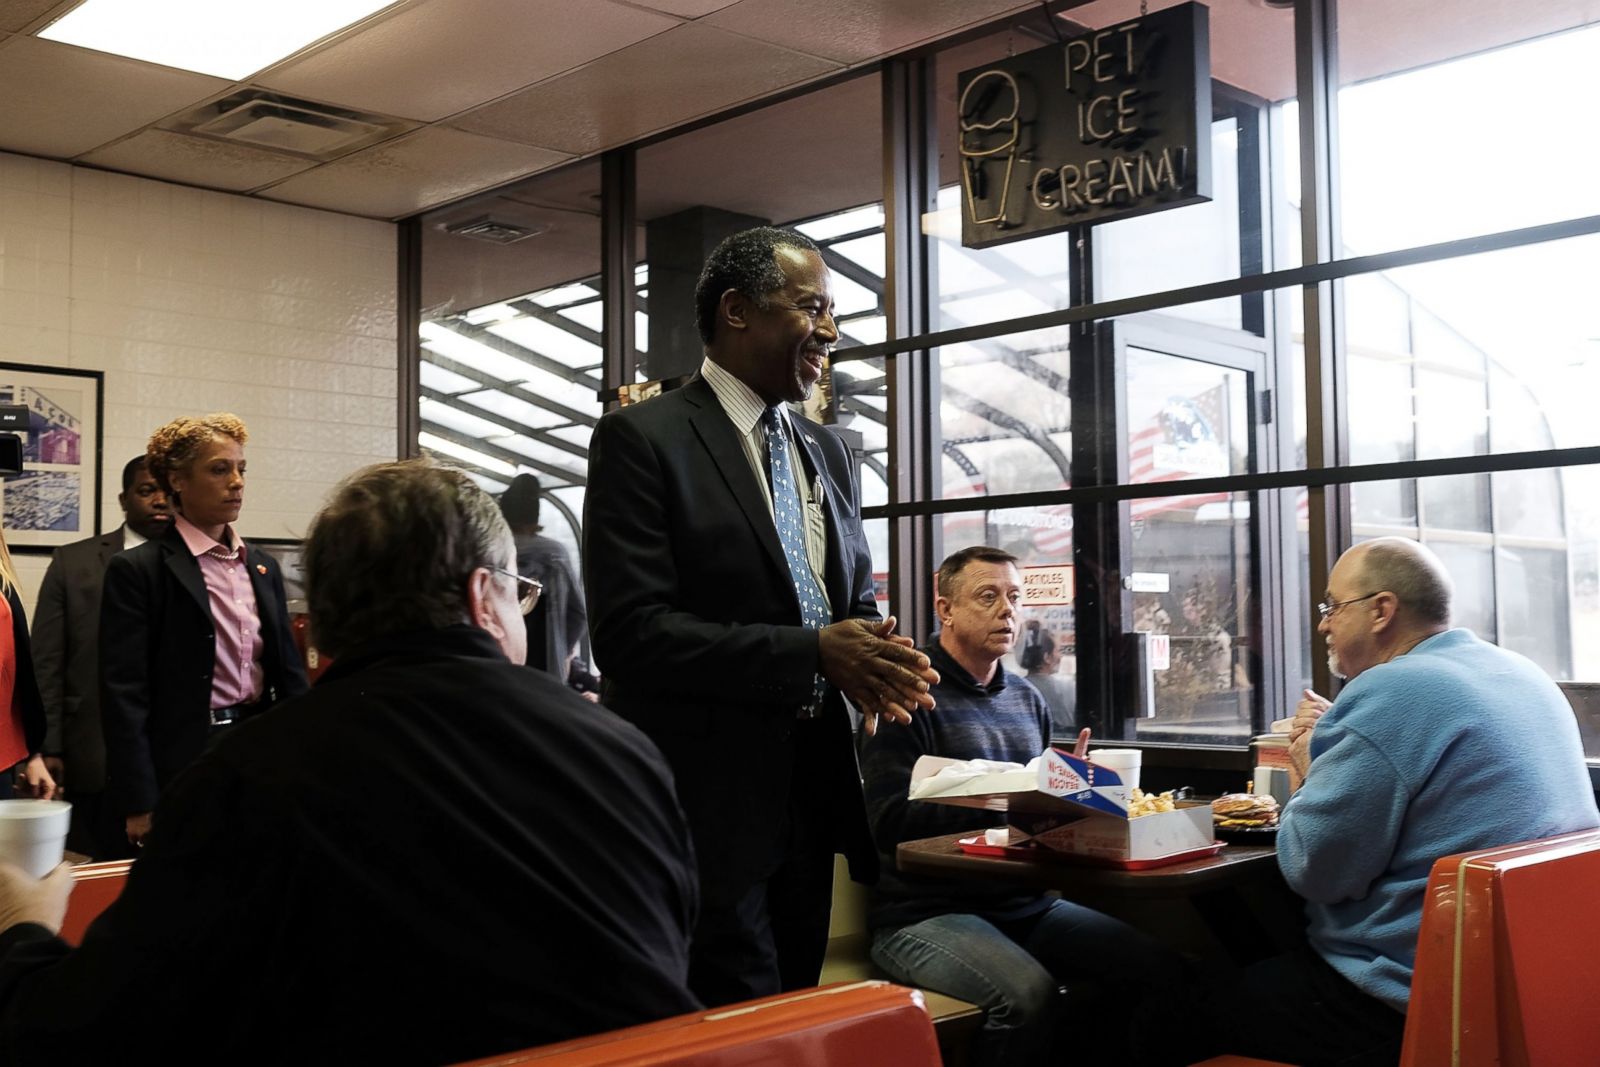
<point x="1142" y="803"/>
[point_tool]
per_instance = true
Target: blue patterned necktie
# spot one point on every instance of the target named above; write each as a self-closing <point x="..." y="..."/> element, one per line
<point x="790" y="521"/>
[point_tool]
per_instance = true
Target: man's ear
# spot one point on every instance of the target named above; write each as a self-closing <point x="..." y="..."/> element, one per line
<point x="941" y="609"/>
<point x="734" y="309"/>
<point x="479" y="613"/>
<point x="1387" y="606"/>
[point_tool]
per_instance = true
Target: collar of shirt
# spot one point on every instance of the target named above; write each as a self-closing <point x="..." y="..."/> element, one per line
<point x="199" y="543"/>
<point x="131" y="538"/>
<point x="953" y="673"/>
<point x="743" y="407"/>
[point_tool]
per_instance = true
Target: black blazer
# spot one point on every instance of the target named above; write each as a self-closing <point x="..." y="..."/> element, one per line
<point x="157" y="653"/>
<point x="25" y="689"/>
<point x="66" y="656"/>
<point x="696" y="626"/>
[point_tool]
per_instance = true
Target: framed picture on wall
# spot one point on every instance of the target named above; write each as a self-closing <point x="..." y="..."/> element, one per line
<point x="55" y="498"/>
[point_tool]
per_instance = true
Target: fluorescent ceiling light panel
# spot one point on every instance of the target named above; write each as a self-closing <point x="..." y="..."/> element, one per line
<point x="224" y="38"/>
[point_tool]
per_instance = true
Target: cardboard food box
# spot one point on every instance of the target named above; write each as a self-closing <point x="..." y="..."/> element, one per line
<point x="1068" y="804"/>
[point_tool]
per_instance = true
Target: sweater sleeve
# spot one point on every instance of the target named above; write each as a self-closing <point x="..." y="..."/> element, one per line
<point x="1340" y="830"/>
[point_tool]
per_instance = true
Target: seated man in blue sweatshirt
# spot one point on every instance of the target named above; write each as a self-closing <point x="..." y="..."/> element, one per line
<point x="1004" y="949"/>
<point x="1439" y="743"/>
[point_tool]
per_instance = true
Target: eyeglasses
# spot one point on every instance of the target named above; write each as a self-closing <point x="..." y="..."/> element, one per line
<point x="1327" y="607"/>
<point x="528" y="589"/>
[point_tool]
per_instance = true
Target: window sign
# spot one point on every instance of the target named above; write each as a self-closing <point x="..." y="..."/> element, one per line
<point x="1103" y="126"/>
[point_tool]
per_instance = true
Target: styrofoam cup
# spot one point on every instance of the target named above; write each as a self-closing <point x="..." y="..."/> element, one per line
<point x="33" y="834"/>
<point x="1125" y="761"/>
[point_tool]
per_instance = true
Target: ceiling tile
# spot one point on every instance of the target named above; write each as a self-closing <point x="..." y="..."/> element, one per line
<point x="679" y="75"/>
<point x="61" y="101"/>
<point x="412" y="173"/>
<point x="18" y="14"/>
<point x="689" y="9"/>
<point x="197" y="161"/>
<point x="853" y="31"/>
<point x="461" y="54"/>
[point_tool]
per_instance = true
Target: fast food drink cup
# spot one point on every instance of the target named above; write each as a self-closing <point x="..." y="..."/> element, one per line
<point x="33" y="834"/>
<point x="1125" y="761"/>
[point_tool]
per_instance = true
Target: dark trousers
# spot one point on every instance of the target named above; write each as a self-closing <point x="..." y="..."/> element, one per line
<point x="1295" y="1008"/>
<point x="99" y="830"/>
<point x="770" y="936"/>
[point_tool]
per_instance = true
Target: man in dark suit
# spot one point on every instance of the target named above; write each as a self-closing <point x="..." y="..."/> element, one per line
<point x="435" y="855"/>
<point x="66" y="659"/>
<point x="731" y="603"/>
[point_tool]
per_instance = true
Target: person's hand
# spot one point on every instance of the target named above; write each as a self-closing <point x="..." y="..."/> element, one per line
<point x="35" y="780"/>
<point x="881" y="673"/>
<point x="138" y="827"/>
<point x="24" y="899"/>
<point x="58" y="770"/>
<point x="1299" y="759"/>
<point x="1311" y="708"/>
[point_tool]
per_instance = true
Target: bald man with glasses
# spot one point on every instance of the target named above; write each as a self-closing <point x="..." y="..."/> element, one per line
<point x="1438" y="743"/>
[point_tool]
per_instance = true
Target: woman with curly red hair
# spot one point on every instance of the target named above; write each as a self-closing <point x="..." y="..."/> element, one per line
<point x="194" y="631"/>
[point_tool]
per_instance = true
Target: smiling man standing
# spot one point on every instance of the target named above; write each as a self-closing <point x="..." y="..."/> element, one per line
<point x="731" y="603"/>
<point x="1004" y="949"/>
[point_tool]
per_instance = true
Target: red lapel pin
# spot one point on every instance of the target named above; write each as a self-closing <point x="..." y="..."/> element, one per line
<point x="261" y="568"/>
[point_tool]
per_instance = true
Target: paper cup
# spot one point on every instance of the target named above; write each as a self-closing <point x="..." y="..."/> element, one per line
<point x="33" y="834"/>
<point x="1125" y="761"/>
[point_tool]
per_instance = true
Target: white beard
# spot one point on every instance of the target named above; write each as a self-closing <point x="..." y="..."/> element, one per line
<point x="1333" y="666"/>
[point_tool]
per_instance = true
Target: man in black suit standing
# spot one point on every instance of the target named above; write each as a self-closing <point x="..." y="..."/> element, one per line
<point x="66" y="659"/>
<point x="731" y="603"/>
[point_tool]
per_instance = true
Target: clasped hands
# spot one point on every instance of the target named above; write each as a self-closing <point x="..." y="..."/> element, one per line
<point x="1312" y="707"/>
<point x="881" y="672"/>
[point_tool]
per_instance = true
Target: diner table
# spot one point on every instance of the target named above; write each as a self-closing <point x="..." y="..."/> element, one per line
<point x="943" y="857"/>
<point x="1235" y="903"/>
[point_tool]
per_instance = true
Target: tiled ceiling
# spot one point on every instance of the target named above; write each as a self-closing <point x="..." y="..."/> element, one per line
<point x="467" y="95"/>
<point x="475" y="93"/>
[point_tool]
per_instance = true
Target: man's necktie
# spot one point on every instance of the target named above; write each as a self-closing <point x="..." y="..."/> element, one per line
<point x="790" y="521"/>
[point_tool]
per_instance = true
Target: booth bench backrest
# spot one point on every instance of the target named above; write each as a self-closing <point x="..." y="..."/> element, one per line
<point x="95" y="886"/>
<point x="851" y="1022"/>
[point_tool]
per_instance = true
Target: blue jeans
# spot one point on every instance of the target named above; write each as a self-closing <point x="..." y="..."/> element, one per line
<point x="1014" y="971"/>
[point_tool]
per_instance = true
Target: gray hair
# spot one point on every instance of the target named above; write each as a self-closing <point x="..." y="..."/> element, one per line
<point x="392" y="550"/>
<point x="1412" y="573"/>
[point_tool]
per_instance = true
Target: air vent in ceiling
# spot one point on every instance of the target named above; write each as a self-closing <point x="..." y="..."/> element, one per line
<point x="284" y="124"/>
<point x="484" y="228"/>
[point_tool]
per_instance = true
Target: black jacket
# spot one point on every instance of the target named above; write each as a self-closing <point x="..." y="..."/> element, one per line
<point x="696" y="626"/>
<point x="157" y="654"/>
<point x="432" y="856"/>
<point x="66" y="656"/>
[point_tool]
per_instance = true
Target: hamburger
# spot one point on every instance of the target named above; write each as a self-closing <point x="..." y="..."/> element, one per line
<point x="1241" y="810"/>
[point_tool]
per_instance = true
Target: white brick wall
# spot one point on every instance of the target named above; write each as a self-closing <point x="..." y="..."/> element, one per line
<point x="194" y="301"/>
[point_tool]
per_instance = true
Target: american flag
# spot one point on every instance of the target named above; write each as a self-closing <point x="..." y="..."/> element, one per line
<point x="1187" y="438"/>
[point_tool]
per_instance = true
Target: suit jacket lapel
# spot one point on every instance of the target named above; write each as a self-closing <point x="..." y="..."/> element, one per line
<point x="186" y="569"/>
<point x="110" y="545"/>
<point x="266" y="599"/>
<point x="711" y="423"/>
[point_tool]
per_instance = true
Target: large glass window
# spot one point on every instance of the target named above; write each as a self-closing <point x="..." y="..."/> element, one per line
<point x="1425" y="87"/>
<point x="510" y="338"/>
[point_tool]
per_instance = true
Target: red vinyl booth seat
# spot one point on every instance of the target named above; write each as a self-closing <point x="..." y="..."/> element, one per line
<point x="95" y="886"/>
<point x="1508" y="959"/>
<point x="850" y="1022"/>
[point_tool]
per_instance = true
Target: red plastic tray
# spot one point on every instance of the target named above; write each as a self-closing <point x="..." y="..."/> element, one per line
<point x="975" y="846"/>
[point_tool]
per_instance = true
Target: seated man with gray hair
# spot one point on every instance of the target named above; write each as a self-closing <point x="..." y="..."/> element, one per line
<point x="436" y="854"/>
<point x="1439" y="743"/>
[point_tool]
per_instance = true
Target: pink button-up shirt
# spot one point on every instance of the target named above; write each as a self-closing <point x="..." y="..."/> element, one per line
<point x="237" y="678"/>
